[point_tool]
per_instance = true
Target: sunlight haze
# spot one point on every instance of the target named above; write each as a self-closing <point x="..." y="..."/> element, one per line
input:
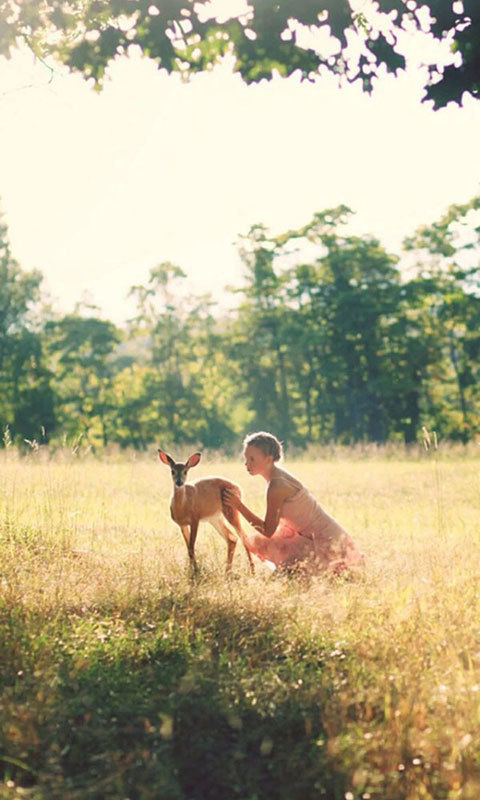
<point x="97" y="188"/>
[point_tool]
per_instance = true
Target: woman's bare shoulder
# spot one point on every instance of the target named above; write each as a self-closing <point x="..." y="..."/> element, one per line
<point x="284" y="484"/>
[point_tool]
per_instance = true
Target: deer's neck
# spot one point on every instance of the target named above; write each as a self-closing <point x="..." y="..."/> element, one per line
<point x="179" y="501"/>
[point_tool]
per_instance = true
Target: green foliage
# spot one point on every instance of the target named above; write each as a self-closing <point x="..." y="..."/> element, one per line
<point x="330" y="341"/>
<point x="81" y="350"/>
<point x="349" y="350"/>
<point x="184" y="37"/>
<point x="157" y="708"/>
<point x="26" y="400"/>
<point x="448" y="289"/>
<point x="183" y="390"/>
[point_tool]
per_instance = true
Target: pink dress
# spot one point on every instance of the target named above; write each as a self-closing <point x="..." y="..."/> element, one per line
<point x="305" y="532"/>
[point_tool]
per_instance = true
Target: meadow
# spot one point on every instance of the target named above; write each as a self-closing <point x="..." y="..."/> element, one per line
<point x="121" y="677"/>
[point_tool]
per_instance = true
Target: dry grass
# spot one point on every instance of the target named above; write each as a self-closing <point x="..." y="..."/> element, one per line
<point x="386" y="669"/>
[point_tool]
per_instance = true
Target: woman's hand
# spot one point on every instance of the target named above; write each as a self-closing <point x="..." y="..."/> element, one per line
<point x="231" y="498"/>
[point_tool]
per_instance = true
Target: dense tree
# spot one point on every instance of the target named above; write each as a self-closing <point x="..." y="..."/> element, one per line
<point x="345" y="347"/>
<point x="332" y="340"/>
<point x="26" y="401"/>
<point x="321" y="346"/>
<point x="356" y="40"/>
<point x="350" y="306"/>
<point x="82" y="360"/>
<point x="258" y="337"/>
<point x="183" y="392"/>
<point x="448" y="286"/>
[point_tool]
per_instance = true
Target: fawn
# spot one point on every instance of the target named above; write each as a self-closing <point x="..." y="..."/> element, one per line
<point x="202" y="500"/>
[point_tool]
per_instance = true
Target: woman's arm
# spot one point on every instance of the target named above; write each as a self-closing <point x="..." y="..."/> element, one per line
<point x="275" y="497"/>
<point x="247" y="513"/>
<point x="276" y="494"/>
<point x="232" y="499"/>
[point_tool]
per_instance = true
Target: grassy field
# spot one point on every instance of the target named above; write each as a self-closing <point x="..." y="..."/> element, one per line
<point x="121" y="678"/>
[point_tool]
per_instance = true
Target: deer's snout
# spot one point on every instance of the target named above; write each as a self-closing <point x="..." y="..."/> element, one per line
<point x="179" y="477"/>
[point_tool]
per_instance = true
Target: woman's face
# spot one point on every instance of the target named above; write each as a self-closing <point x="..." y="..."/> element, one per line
<point x="256" y="462"/>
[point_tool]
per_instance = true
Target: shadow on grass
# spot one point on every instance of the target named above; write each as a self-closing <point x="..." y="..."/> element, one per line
<point x="193" y="702"/>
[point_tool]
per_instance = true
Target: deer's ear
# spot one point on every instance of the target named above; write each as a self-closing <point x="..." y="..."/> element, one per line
<point x="193" y="460"/>
<point x="165" y="458"/>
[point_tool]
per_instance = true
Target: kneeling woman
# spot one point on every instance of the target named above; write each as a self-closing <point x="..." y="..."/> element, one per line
<point x="295" y="529"/>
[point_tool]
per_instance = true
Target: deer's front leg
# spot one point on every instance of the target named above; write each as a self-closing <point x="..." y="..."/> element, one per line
<point x="186" y="535"/>
<point x="191" y="544"/>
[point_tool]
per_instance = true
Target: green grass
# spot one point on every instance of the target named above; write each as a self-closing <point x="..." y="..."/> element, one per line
<point x="121" y="678"/>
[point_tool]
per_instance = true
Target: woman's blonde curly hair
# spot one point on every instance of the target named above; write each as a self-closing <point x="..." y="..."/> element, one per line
<point x="266" y="442"/>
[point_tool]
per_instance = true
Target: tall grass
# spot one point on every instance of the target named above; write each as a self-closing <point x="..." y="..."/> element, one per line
<point x="121" y="678"/>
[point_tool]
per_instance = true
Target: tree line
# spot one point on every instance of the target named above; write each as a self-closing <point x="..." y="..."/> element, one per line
<point x="331" y="338"/>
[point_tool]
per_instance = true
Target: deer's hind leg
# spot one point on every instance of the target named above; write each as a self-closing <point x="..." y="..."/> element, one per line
<point x="228" y="535"/>
<point x="233" y="517"/>
<point x="235" y="521"/>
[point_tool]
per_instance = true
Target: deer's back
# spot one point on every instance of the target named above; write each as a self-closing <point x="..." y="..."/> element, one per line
<point x="207" y="498"/>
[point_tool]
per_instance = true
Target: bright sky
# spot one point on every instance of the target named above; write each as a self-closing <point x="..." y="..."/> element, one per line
<point x="98" y="188"/>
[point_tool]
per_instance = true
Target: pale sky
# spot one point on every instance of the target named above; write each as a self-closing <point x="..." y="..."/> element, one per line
<point x="98" y="188"/>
